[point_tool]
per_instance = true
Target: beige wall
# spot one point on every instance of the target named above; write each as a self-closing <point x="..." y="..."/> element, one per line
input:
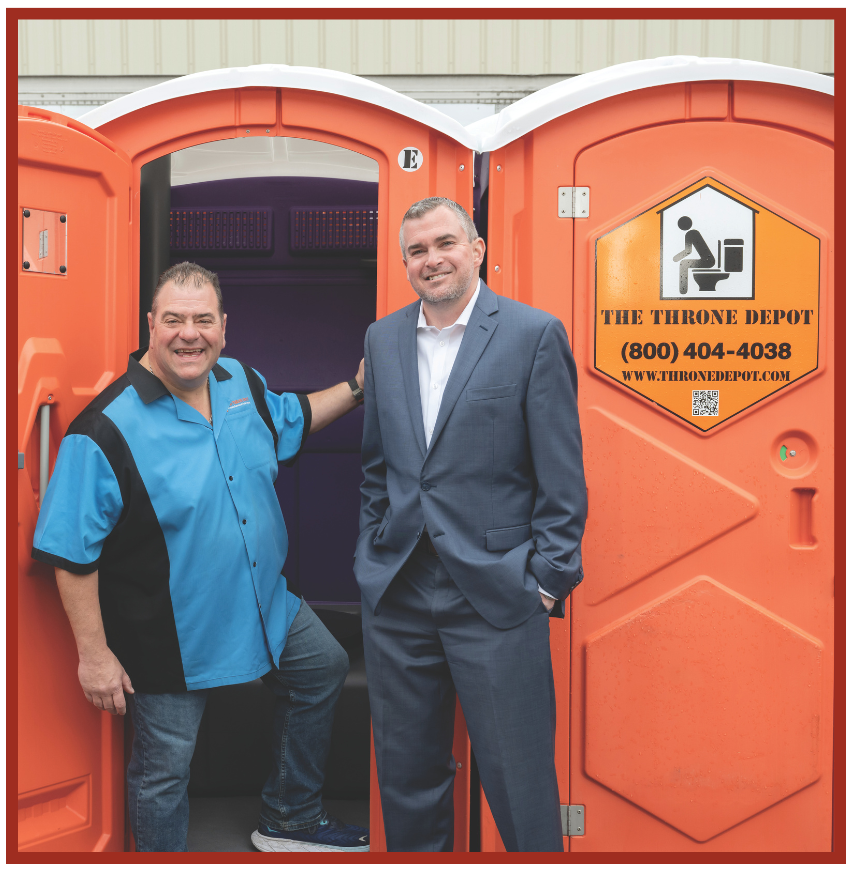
<point x="400" y="47"/>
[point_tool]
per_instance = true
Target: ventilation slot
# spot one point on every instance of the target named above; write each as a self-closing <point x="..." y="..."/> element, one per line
<point x="225" y="231"/>
<point x="333" y="228"/>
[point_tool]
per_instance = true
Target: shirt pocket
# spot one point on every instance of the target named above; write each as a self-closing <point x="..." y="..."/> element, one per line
<point x="493" y="393"/>
<point x="251" y="435"/>
<point x="507" y="538"/>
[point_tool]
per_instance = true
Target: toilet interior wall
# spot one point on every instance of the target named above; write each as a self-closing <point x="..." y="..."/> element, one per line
<point x="299" y="318"/>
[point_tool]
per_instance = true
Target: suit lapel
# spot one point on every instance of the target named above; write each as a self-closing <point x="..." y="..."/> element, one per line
<point x="408" y="342"/>
<point x="479" y="331"/>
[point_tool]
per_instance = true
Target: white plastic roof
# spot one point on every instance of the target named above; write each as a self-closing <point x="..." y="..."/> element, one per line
<point x="283" y="76"/>
<point x="489" y="133"/>
<point x="564" y="97"/>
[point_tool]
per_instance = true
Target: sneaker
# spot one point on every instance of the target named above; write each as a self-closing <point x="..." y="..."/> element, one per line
<point x="329" y="835"/>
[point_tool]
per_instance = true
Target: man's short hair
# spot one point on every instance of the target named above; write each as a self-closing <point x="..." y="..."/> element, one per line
<point x="184" y="273"/>
<point x="422" y="207"/>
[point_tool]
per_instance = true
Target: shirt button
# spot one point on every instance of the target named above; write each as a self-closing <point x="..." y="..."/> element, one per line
<point x="230" y="478"/>
<point x="435" y="387"/>
<point x="244" y="520"/>
<point x="254" y="564"/>
<point x="441" y="343"/>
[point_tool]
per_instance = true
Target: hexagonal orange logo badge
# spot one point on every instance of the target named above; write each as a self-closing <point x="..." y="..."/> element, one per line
<point x="706" y="303"/>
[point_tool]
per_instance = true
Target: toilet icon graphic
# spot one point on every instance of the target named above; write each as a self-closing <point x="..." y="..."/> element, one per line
<point x="705" y="267"/>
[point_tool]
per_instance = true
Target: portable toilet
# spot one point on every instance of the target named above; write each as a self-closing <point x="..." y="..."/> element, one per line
<point x="677" y="215"/>
<point x="96" y="213"/>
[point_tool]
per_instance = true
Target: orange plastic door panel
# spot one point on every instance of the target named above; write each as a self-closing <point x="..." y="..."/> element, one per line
<point x="703" y="630"/>
<point x="446" y="169"/>
<point x="695" y="678"/>
<point x="74" y="334"/>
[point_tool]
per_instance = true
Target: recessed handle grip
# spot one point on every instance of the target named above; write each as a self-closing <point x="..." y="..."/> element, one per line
<point x="44" y="450"/>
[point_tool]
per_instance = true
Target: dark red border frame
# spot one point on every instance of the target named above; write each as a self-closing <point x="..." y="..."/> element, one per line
<point x="838" y="853"/>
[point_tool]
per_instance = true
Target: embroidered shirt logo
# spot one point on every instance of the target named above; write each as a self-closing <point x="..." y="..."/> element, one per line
<point x="243" y="401"/>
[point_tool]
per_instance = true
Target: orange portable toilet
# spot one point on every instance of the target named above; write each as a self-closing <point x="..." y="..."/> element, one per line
<point x="78" y="316"/>
<point x="677" y="215"/>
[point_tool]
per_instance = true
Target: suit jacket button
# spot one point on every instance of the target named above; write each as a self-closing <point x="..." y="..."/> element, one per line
<point x="425" y="487"/>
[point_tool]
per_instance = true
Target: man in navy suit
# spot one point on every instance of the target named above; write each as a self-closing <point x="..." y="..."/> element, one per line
<point x="473" y="507"/>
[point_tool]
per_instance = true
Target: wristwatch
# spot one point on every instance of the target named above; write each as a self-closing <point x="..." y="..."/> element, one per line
<point x="357" y="392"/>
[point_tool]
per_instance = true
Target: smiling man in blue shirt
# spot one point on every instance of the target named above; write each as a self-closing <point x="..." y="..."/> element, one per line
<point x="163" y="524"/>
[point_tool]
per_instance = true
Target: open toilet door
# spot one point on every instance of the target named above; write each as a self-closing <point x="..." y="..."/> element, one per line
<point x="677" y="215"/>
<point x="76" y="326"/>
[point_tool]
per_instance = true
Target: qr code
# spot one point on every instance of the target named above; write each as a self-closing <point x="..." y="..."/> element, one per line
<point x="706" y="404"/>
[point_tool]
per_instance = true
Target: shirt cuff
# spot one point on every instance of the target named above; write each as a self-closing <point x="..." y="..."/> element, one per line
<point x="549" y="595"/>
<point x="305" y="405"/>
<point x="64" y="563"/>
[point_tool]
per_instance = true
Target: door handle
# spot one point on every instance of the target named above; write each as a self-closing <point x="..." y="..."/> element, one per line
<point x="44" y="450"/>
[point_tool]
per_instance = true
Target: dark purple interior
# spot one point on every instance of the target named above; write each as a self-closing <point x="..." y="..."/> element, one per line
<point x="299" y="319"/>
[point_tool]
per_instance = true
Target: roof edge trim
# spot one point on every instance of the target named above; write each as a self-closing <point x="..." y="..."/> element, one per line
<point x="282" y="76"/>
<point x="569" y="95"/>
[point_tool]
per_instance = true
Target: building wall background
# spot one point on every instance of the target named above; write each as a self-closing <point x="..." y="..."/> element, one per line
<point x="407" y="47"/>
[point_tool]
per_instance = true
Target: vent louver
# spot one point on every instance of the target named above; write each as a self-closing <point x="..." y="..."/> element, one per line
<point x="222" y="230"/>
<point x="333" y="228"/>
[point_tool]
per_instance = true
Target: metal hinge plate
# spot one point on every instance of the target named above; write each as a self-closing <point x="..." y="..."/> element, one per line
<point x="20" y="460"/>
<point x="573" y="202"/>
<point x="573" y="819"/>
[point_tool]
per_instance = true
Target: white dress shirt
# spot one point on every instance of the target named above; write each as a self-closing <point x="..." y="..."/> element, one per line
<point x="437" y="350"/>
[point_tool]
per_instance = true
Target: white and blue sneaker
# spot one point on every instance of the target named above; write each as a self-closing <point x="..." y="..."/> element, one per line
<point x="329" y="835"/>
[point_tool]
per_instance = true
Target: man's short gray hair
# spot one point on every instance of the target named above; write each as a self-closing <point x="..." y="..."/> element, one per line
<point x="184" y="273"/>
<point x="422" y="207"/>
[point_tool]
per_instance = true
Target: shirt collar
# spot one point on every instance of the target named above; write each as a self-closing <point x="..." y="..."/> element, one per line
<point x="463" y="318"/>
<point x="148" y="386"/>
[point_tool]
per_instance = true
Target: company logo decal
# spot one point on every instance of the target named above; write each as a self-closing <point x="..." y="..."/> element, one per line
<point x="706" y="303"/>
<point x="707" y="248"/>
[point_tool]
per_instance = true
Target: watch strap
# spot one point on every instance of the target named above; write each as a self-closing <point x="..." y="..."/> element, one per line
<point x="357" y="392"/>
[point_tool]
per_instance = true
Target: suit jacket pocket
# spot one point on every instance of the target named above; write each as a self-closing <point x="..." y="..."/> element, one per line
<point x="507" y="538"/>
<point x="382" y="525"/>
<point x="493" y="393"/>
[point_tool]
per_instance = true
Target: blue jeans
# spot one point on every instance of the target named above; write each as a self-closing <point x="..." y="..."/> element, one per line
<point x="307" y="684"/>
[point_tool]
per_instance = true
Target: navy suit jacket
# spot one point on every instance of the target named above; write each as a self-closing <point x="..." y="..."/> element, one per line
<point x="501" y="487"/>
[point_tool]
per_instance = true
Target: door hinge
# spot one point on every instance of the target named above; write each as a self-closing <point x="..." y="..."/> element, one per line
<point x="20" y="460"/>
<point x="573" y="819"/>
<point x="573" y="202"/>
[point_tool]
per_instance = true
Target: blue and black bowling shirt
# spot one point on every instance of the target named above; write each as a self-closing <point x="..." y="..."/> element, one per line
<point x="182" y="522"/>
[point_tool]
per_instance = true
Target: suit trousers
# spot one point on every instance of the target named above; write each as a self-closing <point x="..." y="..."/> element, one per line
<point x="426" y="645"/>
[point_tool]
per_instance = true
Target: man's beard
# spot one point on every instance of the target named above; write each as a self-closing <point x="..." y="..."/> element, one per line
<point x="454" y="292"/>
